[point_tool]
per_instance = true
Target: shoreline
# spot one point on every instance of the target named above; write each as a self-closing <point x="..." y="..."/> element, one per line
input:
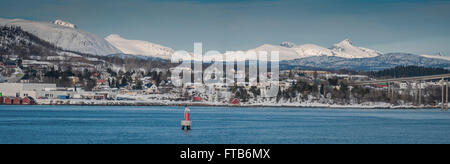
<point x="246" y="106"/>
<point x="204" y="104"/>
<point x="257" y="106"/>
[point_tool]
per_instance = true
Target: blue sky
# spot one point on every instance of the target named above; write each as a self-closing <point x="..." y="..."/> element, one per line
<point x="414" y="26"/>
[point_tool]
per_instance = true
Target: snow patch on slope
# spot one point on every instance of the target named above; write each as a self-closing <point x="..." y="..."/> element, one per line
<point x="308" y="50"/>
<point x="438" y="56"/>
<point x="139" y="47"/>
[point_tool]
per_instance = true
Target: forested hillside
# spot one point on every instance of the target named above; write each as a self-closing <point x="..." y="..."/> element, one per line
<point x="409" y="71"/>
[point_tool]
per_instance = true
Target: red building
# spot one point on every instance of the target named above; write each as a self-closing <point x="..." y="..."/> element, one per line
<point x="234" y="101"/>
<point x="7" y="100"/>
<point x="17" y="101"/>
<point x="101" y="82"/>
<point x="382" y="85"/>
<point x="99" y="97"/>
<point x="28" y="101"/>
<point x="196" y="99"/>
<point x="1" y="100"/>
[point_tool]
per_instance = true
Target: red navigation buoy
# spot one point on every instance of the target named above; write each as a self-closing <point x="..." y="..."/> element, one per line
<point x="186" y="123"/>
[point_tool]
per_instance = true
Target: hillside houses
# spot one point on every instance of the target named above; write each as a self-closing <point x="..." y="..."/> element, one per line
<point x="36" y="65"/>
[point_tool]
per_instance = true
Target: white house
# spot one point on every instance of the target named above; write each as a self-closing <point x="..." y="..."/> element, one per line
<point x="152" y="90"/>
<point x="403" y="85"/>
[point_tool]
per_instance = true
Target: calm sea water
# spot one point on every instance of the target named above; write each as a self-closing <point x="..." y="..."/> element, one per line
<point x="220" y="125"/>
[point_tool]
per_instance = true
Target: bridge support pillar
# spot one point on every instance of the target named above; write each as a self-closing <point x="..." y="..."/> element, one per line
<point x="420" y="93"/>
<point x="389" y="90"/>
<point x="392" y="95"/>
<point x="416" y="94"/>
<point x="443" y="94"/>
<point x="446" y="97"/>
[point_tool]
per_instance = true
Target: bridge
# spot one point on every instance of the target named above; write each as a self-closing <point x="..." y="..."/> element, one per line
<point x="418" y="79"/>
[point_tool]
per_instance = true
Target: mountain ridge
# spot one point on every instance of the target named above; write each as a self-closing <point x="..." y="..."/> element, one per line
<point x="380" y="62"/>
<point x="65" y="37"/>
<point x="342" y="55"/>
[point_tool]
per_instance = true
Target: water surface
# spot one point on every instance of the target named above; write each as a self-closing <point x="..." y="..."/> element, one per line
<point x="220" y="125"/>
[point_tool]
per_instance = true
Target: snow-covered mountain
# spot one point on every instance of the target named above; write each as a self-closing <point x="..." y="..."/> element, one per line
<point x="344" y="49"/>
<point x="288" y="50"/>
<point x="380" y="62"/>
<point x="139" y="47"/>
<point x="343" y="55"/>
<point x="15" y="41"/>
<point x="65" y="36"/>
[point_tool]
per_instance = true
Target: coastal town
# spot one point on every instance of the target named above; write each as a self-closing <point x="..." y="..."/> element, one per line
<point x="33" y="71"/>
<point x="91" y="84"/>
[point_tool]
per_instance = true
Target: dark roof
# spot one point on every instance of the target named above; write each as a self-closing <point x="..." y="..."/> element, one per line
<point x="31" y="98"/>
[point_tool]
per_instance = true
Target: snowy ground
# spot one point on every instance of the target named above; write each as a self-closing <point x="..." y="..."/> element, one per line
<point x="173" y="100"/>
<point x="155" y="102"/>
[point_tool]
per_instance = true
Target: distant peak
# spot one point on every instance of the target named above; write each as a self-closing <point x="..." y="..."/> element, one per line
<point x="287" y="44"/>
<point x="63" y="23"/>
<point x="346" y="42"/>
